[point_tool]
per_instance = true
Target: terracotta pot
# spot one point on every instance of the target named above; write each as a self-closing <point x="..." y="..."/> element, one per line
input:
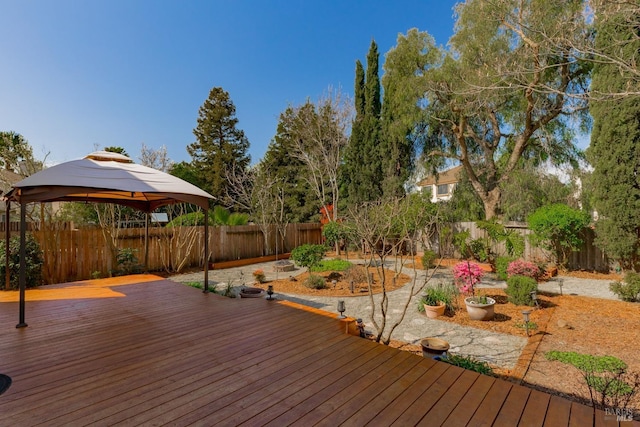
<point x="432" y="347"/>
<point x="479" y="311"/>
<point x="433" y="311"/>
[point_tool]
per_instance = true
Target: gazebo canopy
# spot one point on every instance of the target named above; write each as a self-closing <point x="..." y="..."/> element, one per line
<point x="107" y="178"/>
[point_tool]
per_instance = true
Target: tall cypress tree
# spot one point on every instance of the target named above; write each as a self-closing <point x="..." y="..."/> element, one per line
<point x="362" y="170"/>
<point x="350" y="174"/>
<point x="371" y="128"/>
<point x="615" y="148"/>
<point x="219" y="145"/>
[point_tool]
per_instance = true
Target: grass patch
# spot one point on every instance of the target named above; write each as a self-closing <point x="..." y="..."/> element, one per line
<point x="331" y="265"/>
<point x="198" y="285"/>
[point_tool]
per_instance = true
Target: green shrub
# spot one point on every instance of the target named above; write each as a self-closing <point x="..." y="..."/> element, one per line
<point x="460" y="243"/>
<point x="331" y="265"/>
<point x="190" y="219"/>
<point x="238" y="218"/>
<point x="434" y="295"/>
<point x="334" y="233"/>
<point x="428" y="258"/>
<point x="605" y="376"/>
<point x="468" y="362"/>
<point x="629" y="289"/>
<point x="519" y="289"/>
<point x="479" y="249"/>
<point x="34" y="261"/>
<point x="315" y="282"/>
<point x="128" y="262"/>
<point x="558" y="228"/>
<point x="502" y="262"/>
<point x="308" y="255"/>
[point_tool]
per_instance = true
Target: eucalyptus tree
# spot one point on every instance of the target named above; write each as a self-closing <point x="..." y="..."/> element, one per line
<point x="400" y="111"/>
<point x="502" y="91"/>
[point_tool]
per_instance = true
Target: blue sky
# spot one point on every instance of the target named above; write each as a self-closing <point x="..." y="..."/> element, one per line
<point x="79" y="74"/>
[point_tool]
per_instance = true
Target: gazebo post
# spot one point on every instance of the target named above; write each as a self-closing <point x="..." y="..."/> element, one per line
<point x="206" y="251"/>
<point x="7" y="236"/>
<point x="146" y="242"/>
<point x="23" y="263"/>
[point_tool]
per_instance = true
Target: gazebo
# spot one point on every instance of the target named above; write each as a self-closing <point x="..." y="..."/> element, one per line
<point x="103" y="177"/>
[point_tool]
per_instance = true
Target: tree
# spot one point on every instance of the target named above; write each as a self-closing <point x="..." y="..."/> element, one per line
<point x="363" y="170"/>
<point x="400" y="111"/>
<point x="257" y="191"/>
<point x="156" y="159"/>
<point x="119" y="150"/>
<point x="187" y="172"/>
<point x="320" y="134"/>
<point x="502" y="91"/>
<point x="219" y="145"/>
<point x="615" y="147"/>
<point x="14" y="151"/>
<point x="300" y="203"/>
<point x="616" y="53"/>
<point x="531" y="188"/>
<point x="391" y="226"/>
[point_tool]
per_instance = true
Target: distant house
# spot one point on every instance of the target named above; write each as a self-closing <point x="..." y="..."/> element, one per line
<point x="441" y="186"/>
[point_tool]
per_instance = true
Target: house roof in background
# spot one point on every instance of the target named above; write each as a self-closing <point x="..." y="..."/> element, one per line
<point x="449" y="176"/>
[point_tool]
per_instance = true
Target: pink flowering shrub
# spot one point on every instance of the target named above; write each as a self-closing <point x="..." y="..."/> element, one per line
<point x="466" y="275"/>
<point x="523" y="268"/>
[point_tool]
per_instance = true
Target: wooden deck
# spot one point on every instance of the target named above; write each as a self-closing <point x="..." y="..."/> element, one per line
<point x="148" y="351"/>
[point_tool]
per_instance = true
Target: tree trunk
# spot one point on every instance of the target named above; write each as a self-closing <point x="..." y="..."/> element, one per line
<point x="491" y="202"/>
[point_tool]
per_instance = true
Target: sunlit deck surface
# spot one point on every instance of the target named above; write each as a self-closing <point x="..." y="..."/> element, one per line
<point x="147" y="351"/>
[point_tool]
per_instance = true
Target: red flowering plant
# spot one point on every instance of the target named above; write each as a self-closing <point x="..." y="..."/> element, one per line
<point x="523" y="268"/>
<point x="466" y="275"/>
<point x="259" y="276"/>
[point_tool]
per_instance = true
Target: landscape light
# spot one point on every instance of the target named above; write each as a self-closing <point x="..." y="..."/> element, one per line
<point x="341" y="309"/>
<point x="525" y="316"/>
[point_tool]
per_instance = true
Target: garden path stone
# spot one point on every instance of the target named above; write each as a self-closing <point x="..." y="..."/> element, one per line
<point x="497" y="349"/>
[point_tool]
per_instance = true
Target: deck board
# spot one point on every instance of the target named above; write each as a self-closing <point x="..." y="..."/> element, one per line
<point x="535" y="409"/>
<point x="144" y="350"/>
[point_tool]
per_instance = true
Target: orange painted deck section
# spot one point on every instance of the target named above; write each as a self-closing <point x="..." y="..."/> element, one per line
<point x="142" y="350"/>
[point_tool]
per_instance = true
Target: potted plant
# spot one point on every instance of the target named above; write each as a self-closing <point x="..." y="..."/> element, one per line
<point x="436" y="299"/>
<point x="480" y="307"/>
<point x="468" y="274"/>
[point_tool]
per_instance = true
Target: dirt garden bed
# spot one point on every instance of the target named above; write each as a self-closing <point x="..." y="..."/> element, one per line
<point x="341" y="287"/>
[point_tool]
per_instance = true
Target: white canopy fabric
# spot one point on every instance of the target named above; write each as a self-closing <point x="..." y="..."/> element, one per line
<point x="108" y="178"/>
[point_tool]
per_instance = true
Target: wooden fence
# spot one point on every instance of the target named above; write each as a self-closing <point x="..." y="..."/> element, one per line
<point x="588" y="257"/>
<point x="76" y="254"/>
